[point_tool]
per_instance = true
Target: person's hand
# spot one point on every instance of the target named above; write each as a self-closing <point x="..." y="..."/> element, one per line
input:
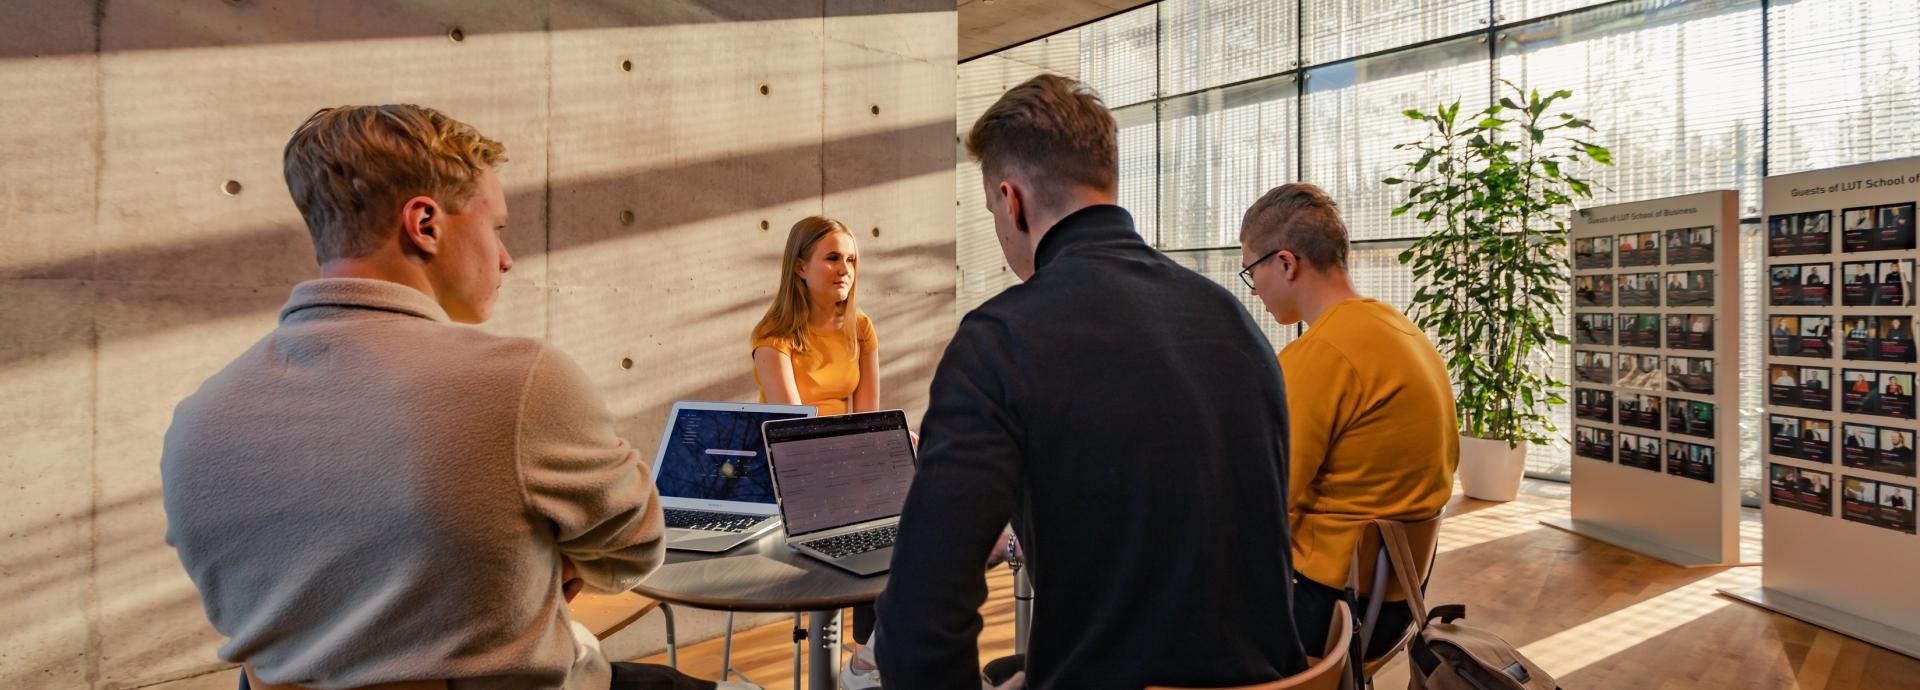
<point x="570" y="582"/>
<point x="1017" y="682"/>
<point x="915" y="438"/>
<point x="998" y="554"/>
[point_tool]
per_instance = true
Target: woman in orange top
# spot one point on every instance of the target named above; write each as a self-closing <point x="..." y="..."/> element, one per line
<point x="815" y="347"/>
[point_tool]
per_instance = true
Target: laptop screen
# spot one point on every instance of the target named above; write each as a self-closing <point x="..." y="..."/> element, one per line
<point x="717" y="455"/>
<point x="841" y="470"/>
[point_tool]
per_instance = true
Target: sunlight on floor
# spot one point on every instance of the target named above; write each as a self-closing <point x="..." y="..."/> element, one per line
<point x="1574" y="648"/>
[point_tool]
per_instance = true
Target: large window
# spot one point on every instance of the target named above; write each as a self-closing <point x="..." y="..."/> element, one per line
<point x="1220" y="100"/>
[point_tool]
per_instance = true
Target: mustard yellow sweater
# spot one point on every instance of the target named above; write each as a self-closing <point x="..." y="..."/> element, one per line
<point x="1373" y="431"/>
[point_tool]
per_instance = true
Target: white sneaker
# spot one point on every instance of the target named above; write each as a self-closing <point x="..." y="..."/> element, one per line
<point x="860" y="679"/>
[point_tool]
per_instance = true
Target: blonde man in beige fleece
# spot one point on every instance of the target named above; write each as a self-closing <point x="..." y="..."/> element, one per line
<point x="380" y="492"/>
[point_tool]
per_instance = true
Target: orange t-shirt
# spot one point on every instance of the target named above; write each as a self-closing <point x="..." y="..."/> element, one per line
<point x="828" y="373"/>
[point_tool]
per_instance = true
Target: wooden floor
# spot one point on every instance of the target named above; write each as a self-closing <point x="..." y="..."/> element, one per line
<point x="1594" y="615"/>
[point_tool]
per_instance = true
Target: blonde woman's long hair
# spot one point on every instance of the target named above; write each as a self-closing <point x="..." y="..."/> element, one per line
<point x="786" y="318"/>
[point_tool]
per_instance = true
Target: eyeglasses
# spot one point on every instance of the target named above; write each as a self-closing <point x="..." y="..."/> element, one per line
<point x="1246" y="274"/>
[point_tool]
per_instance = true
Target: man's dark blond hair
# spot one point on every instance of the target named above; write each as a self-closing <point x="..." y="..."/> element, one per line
<point x="1300" y="218"/>
<point x="1055" y="131"/>
<point x="350" y="168"/>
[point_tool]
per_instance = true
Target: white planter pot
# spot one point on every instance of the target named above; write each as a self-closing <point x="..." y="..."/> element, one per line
<point x="1489" y="470"/>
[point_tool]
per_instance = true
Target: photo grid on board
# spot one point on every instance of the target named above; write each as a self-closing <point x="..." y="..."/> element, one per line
<point x="1840" y="363"/>
<point x="1645" y="349"/>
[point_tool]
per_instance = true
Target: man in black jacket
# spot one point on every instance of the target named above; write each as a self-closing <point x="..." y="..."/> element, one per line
<point x="1129" y="416"/>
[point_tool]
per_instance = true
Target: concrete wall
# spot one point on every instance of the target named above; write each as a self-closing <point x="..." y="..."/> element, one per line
<point x="127" y="274"/>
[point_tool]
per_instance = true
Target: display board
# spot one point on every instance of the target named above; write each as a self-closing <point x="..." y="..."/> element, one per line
<point x="1656" y="347"/>
<point x="1840" y="545"/>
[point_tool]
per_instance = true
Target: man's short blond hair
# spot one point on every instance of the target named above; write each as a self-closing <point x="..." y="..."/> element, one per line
<point x="1300" y="218"/>
<point x="350" y="168"/>
<point x="1053" y="129"/>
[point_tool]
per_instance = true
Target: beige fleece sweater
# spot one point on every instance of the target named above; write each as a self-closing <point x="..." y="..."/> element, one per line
<point x="372" y="493"/>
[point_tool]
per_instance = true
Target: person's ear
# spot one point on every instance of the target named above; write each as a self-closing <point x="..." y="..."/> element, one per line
<point x="1016" y="205"/>
<point x="420" y="225"/>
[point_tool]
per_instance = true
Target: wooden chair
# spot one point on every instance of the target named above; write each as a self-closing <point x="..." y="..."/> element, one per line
<point x="605" y="615"/>
<point x="1325" y="674"/>
<point x="1370" y="555"/>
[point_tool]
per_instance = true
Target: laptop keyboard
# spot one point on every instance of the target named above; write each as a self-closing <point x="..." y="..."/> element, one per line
<point x="679" y="518"/>
<point x="856" y="543"/>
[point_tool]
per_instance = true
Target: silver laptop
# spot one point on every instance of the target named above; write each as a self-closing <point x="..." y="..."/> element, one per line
<point x="842" y="481"/>
<point x="711" y="469"/>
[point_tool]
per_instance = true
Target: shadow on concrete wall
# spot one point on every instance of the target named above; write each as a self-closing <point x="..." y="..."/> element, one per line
<point x="229" y="23"/>
<point x="663" y="185"/>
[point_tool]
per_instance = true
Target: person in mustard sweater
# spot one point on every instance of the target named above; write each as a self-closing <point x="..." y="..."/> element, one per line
<point x="815" y="347"/>
<point x="1370" y="406"/>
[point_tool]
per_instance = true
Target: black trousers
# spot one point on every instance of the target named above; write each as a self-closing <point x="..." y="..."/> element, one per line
<point x="863" y="623"/>
<point x="1313" y="610"/>
<point x="630" y="676"/>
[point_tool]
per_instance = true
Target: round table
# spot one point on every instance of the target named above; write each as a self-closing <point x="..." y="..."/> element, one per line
<point x="765" y="575"/>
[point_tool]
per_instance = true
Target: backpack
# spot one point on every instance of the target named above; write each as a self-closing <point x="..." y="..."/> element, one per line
<point x="1446" y="655"/>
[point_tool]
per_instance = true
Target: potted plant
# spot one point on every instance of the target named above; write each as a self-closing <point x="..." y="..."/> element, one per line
<point x="1496" y="188"/>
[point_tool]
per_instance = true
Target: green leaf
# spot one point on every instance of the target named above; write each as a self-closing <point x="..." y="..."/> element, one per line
<point x="1413" y="114"/>
<point x="1598" y="154"/>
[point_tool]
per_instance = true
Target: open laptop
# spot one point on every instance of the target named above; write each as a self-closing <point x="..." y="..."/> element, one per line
<point x="711" y="469"/>
<point x="842" y="481"/>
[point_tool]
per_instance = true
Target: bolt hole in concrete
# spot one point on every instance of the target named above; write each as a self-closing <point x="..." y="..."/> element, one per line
<point x="626" y="217"/>
<point x="456" y="34"/>
<point x="764" y="225"/>
<point x="876" y="232"/>
<point x="626" y="65"/>
<point x="626" y="363"/>
<point x="876" y="110"/>
<point x="764" y="90"/>
<point x="231" y="188"/>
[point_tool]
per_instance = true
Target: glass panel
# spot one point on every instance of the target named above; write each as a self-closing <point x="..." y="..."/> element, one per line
<point x="1845" y="82"/>
<point x="983" y="270"/>
<point x="1506" y="11"/>
<point x="1672" y="91"/>
<point x="1223" y="266"/>
<point x="1753" y="254"/>
<point x="1337" y="29"/>
<point x="1206" y="43"/>
<point x="1117" y="57"/>
<point x="1354" y="119"/>
<point x="1222" y="150"/>
<point x="1377" y="273"/>
<point x="1139" y="156"/>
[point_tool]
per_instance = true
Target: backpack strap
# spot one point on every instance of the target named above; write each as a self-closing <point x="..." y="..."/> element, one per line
<point x="1401" y="554"/>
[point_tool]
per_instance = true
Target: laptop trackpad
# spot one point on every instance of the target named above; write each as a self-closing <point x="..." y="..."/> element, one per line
<point x="870" y="563"/>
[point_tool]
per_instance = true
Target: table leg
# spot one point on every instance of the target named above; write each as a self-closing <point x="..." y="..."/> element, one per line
<point x="799" y="640"/>
<point x="1022" y="609"/>
<point x="823" y="650"/>
<point x="726" y="651"/>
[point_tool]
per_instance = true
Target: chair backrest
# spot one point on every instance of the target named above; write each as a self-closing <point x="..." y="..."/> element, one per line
<point x="1422" y="537"/>
<point x="254" y="683"/>
<point x="1325" y="674"/>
